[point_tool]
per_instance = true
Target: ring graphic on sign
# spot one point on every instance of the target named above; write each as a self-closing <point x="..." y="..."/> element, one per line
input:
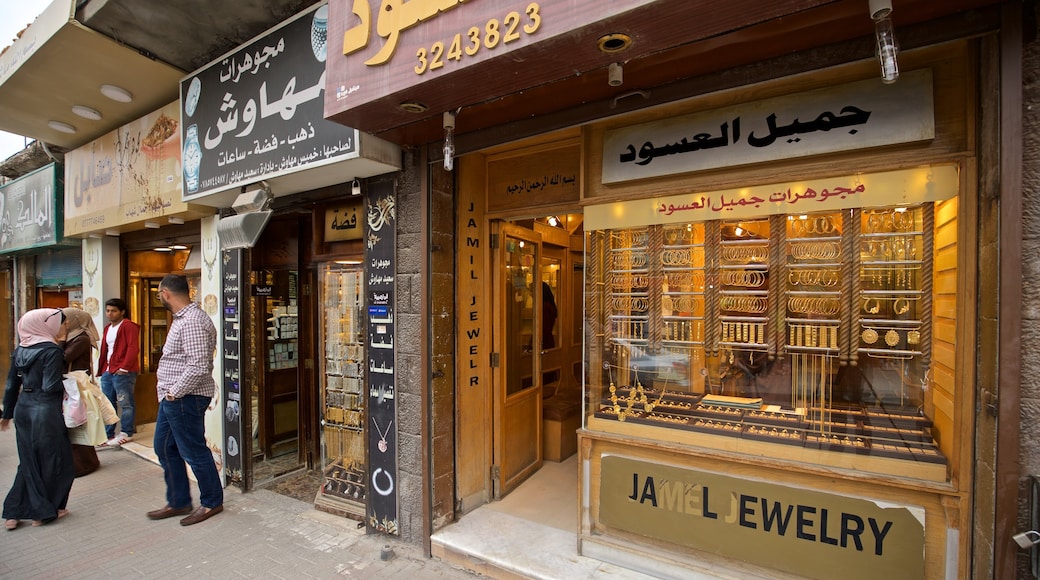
<point x="375" y="482"/>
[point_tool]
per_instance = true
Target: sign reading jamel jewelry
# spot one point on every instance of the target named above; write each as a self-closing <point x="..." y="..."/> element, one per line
<point x="29" y="210"/>
<point x="257" y="112"/>
<point x="888" y="188"/>
<point x="343" y="221"/>
<point x="127" y="176"/>
<point x="232" y="300"/>
<point x="380" y="268"/>
<point x="381" y="47"/>
<point x="852" y="116"/>
<point x="806" y="532"/>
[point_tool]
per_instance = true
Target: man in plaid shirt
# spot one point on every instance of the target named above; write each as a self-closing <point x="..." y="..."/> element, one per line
<point x="185" y="387"/>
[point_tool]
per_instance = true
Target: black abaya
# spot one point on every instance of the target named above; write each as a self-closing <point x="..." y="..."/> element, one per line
<point x="33" y="397"/>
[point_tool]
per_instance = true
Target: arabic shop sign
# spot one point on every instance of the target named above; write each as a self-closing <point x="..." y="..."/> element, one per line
<point x="126" y="176"/>
<point x="852" y="116"/>
<point x="801" y="531"/>
<point x="342" y="221"/>
<point x="28" y="210"/>
<point x="544" y="177"/>
<point x="381" y="47"/>
<point x="900" y="187"/>
<point x="258" y="113"/>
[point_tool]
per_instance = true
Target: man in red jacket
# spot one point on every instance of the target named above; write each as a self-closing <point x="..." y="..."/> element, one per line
<point x="118" y="366"/>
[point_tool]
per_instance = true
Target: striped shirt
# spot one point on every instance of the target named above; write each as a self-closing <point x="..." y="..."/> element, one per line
<point x="186" y="366"/>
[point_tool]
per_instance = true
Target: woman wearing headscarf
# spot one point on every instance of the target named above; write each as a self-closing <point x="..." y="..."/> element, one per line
<point x="33" y="397"/>
<point x="80" y="339"/>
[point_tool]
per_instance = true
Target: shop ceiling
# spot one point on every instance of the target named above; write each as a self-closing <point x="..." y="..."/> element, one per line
<point x="146" y="46"/>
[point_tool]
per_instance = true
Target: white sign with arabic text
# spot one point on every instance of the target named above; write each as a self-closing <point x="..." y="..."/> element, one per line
<point x="852" y="116"/>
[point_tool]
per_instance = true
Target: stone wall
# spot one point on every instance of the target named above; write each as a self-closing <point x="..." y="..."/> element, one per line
<point x="1030" y="389"/>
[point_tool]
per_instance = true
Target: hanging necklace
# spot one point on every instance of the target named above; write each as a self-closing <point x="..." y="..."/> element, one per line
<point x="382" y="445"/>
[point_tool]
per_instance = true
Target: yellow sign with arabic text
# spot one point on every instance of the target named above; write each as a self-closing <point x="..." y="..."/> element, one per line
<point x="889" y="188"/>
<point x="127" y="176"/>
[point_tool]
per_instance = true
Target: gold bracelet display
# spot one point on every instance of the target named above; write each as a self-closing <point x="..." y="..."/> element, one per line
<point x="827" y="250"/>
<point x="750" y="304"/>
<point x="743" y="278"/>
<point x="744" y="332"/>
<point x="629" y="304"/>
<point x="629" y="238"/>
<point x="628" y="260"/>
<point x="806" y="277"/>
<point x="624" y="282"/>
<point x="813" y="335"/>
<point x="692" y="280"/>
<point x="813" y="305"/>
<point x="744" y="254"/>
<point x="677" y="257"/>
<point x="812" y="225"/>
<point x="879" y="221"/>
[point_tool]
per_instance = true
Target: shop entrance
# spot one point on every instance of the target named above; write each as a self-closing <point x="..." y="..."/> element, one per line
<point x="537" y="345"/>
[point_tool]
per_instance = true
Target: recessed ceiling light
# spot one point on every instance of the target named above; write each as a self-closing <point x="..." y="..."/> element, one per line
<point x="116" y="93"/>
<point x="616" y="42"/>
<point x="412" y="107"/>
<point x="86" y="112"/>
<point x="61" y="127"/>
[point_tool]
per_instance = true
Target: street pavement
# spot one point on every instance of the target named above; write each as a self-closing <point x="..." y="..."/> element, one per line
<point x="260" y="534"/>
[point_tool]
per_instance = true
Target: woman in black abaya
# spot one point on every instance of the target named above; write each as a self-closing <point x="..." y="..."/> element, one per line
<point x="33" y="398"/>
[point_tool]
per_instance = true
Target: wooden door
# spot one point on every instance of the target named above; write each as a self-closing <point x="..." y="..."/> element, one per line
<point x="517" y="380"/>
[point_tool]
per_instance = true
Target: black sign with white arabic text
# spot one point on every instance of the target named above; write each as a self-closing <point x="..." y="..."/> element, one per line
<point x="231" y="275"/>
<point x="258" y="112"/>
<point x="380" y="267"/>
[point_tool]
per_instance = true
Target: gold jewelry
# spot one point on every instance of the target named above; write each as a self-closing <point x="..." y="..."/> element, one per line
<point x="891" y="338"/>
<point x="869" y="336"/>
<point x="871" y="309"/>
<point x="913" y="337"/>
<point x="901" y="309"/>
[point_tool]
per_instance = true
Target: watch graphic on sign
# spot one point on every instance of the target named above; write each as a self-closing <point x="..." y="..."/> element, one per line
<point x="192" y="159"/>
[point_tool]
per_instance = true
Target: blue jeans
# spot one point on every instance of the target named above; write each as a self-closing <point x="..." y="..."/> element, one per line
<point x="120" y="392"/>
<point x="180" y="439"/>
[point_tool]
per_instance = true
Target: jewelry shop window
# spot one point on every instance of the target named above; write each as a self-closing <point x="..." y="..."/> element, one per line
<point x="827" y="336"/>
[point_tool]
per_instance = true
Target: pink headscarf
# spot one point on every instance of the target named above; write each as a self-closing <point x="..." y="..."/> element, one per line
<point x="40" y="325"/>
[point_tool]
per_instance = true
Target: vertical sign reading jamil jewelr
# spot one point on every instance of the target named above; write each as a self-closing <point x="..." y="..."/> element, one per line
<point x="380" y="241"/>
<point x="232" y="299"/>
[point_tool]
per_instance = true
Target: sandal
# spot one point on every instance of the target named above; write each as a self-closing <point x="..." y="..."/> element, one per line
<point x="11" y="524"/>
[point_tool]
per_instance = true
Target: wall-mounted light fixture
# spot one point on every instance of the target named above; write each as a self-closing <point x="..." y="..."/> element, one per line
<point x="176" y="220"/>
<point x="152" y="225"/>
<point x="886" y="46"/>
<point x="113" y="233"/>
<point x="449" y="140"/>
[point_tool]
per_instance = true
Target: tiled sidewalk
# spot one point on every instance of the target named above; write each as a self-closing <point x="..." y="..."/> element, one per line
<point x="260" y="534"/>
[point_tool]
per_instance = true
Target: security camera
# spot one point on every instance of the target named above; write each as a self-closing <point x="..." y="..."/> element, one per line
<point x="1027" y="540"/>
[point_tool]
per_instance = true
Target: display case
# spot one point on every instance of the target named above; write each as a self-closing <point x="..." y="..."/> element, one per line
<point x="807" y="331"/>
<point x="342" y="402"/>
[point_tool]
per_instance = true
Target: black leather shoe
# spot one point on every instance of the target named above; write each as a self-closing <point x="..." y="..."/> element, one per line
<point x="168" y="512"/>
<point x="201" y="514"/>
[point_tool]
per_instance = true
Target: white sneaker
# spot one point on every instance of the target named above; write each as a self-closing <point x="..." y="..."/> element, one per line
<point x="118" y="440"/>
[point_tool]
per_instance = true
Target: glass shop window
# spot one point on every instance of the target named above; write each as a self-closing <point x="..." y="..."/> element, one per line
<point x="830" y="333"/>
